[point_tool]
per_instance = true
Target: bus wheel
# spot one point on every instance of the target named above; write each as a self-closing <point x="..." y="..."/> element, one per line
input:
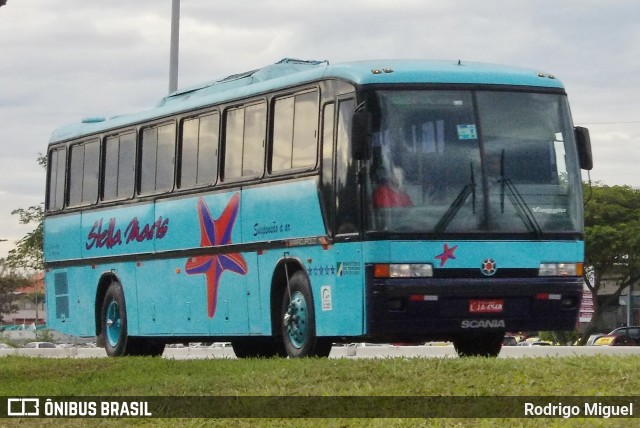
<point x="114" y="322"/>
<point x="479" y="345"/>
<point x="117" y="341"/>
<point x="258" y="347"/>
<point x="298" y="321"/>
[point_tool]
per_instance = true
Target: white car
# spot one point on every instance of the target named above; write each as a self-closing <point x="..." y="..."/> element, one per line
<point x="40" y="345"/>
<point x="534" y="343"/>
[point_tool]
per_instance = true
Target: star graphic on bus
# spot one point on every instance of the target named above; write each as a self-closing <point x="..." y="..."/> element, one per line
<point x="213" y="234"/>
<point x="447" y="254"/>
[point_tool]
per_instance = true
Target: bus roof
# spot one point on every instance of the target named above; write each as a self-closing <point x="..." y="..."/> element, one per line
<point x="291" y="72"/>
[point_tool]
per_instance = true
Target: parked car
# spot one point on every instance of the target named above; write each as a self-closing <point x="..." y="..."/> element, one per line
<point x="534" y="343"/>
<point x="39" y="345"/>
<point x="615" y="340"/>
<point x="509" y="341"/>
<point x="594" y="337"/>
<point x="65" y="345"/>
<point x="632" y="331"/>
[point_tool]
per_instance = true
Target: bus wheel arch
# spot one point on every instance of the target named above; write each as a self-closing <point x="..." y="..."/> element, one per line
<point x="112" y="322"/>
<point x="293" y="313"/>
<point x="269" y="346"/>
<point x="284" y="268"/>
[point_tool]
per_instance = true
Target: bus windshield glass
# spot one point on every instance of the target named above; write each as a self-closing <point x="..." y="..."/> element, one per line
<point x="473" y="162"/>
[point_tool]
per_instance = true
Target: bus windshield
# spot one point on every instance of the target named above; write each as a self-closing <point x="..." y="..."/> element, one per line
<point x="473" y="162"/>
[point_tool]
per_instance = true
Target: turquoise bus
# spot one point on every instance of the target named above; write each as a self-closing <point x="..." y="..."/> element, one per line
<point x="305" y="203"/>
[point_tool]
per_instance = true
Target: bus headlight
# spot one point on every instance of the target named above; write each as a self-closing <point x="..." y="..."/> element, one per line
<point x="560" y="269"/>
<point x="403" y="270"/>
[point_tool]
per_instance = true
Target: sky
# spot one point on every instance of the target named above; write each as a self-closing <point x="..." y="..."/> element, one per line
<point x="64" y="60"/>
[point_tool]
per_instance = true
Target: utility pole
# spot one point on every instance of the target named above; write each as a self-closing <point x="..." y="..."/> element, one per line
<point x="175" y="46"/>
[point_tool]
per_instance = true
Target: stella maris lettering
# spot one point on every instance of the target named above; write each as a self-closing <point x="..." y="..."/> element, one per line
<point x="148" y="232"/>
<point x="110" y="235"/>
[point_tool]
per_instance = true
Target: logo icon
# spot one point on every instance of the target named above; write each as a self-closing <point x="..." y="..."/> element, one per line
<point x="447" y="253"/>
<point x="23" y="407"/>
<point x="325" y="292"/>
<point x="488" y="267"/>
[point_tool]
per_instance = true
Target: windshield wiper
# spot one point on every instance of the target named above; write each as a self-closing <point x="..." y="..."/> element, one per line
<point x="452" y="211"/>
<point x="516" y="199"/>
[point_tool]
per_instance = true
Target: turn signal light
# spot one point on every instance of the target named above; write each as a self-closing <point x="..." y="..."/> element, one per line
<point x="561" y="269"/>
<point x="403" y="270"/>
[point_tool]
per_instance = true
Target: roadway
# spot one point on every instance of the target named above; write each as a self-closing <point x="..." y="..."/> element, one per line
<point x="350" y="351"/>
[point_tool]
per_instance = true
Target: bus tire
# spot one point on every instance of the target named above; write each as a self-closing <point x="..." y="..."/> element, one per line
<point x="115" y="334"/>
<point x="258" y="347"/>
<point x="113" y="316"/>
<point x="479" y="345"/>
<point x="298" y="321"/>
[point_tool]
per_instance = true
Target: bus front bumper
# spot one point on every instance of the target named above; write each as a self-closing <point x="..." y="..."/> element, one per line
<point x="417" y="309"/>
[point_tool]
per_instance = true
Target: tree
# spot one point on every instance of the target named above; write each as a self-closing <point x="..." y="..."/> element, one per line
<point x="28" y="252"/>
<point x="9" y="282"/>
<point x="612" y="243"/>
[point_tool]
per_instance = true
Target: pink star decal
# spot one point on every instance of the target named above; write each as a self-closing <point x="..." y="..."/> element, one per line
<point x="447" y="254"/>
<point x="215" y="233"/>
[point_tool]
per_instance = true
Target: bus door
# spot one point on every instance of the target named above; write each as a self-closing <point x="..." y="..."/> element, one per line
<point x="348" y="293"/>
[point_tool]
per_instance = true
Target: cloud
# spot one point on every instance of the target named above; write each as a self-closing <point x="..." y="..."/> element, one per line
<point x="65" y="60"/>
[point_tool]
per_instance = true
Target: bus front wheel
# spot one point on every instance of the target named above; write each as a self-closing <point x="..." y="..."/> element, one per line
<point x="479" y="345"/>
<point x="298" y="321"/>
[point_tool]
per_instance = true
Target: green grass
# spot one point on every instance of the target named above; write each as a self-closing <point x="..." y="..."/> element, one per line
<point x="571" y="376"/>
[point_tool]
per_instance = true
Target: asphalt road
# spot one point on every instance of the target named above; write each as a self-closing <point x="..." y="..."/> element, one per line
<point x="351" y="351"/>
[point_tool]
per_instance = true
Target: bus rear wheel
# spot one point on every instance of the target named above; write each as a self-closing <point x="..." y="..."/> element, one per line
<point x="115" y="335"/>
<point x="479" y="345"/>
<point x="114" y="321"/>
<point x="298" y="321"/>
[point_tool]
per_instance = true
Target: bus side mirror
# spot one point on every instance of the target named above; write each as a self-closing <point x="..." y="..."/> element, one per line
<point x="360" y="135"/>
<point x="584" y="147"/>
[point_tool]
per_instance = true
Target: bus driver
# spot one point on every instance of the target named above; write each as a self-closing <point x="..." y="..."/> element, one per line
<point x="388" y="193"/>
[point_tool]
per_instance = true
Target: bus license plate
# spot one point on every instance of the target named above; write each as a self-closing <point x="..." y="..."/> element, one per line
<point x="485" y="306"/>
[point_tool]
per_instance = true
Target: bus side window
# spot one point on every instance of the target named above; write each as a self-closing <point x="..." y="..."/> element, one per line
<point x="119" y="166"/>
<point x="158" y="153"/>
<point x="295" y="131"/>
<point x="255" y="125"/>
<point x="199" y="151"/>
<point x="346" y="186"/>
<point x="57" y="168"/>
<point x="328" y="195"/>
<point x="83" y="173"/>
<point x="244" y="139"/>
<point x="234" y="134"/>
